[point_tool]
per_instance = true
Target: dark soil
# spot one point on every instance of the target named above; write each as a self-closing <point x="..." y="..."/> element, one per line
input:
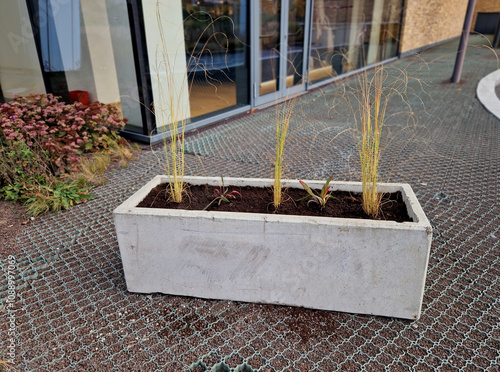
<point x="13" y="218"/>
<point x="259" y="200"/>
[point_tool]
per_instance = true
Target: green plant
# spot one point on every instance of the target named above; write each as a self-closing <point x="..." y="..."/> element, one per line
<point x="11" y="192"/>
<point x="222" y="194"/>
<point x="323" y="196"/>
<point x="283" y="117"/>
<point x="51" y="151"/>
<point x="57" y="197"/>
<point x="21" y="167"/>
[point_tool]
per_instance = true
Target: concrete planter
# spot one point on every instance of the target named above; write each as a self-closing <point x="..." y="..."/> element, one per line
<point x="349" y="265"/>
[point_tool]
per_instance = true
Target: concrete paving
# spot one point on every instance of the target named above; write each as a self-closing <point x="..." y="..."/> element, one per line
<point x="487" y="92"/>
<point x="73" y="312"/>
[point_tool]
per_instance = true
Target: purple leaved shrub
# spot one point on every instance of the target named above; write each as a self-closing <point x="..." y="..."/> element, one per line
<point x="62" y="131"/>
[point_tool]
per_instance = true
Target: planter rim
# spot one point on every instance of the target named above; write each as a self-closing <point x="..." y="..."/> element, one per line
<point x="415" y="211"/>
<point x="339" y="264"/>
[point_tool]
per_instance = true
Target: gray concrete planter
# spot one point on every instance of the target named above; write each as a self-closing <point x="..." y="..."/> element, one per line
<point x="349" y="265"/>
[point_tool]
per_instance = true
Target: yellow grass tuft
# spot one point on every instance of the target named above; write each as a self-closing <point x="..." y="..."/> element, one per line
<point x="283" y="117"/>
<point x="376" y="90"/>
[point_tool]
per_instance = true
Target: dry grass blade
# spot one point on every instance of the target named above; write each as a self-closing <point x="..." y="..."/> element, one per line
<point x="376" y="88"/>
<point x="172" y="109"/>
<point x="170" y="112"/>
<point x="283" y="117"/>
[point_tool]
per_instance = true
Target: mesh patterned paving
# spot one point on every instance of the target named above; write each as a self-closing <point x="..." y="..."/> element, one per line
<point x="72" y="310"/>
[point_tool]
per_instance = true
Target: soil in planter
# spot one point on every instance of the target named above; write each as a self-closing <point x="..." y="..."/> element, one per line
<point x="259" y="200"/>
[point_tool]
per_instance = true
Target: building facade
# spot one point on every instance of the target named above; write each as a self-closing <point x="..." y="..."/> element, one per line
<point x="200" y="61"/>
<point x="431" y="22"/>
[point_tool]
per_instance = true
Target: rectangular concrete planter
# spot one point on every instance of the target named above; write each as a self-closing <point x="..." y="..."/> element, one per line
<point x="348" y="265"/>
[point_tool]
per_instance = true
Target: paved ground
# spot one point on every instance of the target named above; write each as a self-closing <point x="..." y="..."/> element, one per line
<point x="72" y="310"/>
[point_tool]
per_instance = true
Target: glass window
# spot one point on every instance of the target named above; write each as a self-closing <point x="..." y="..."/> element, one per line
<point x="20" y="72"/>
<point x="391" y="25"/>
<point x="295" y="42"/>
<point x="126" y="70"/>
<point x="216" y="47"/>
<point x="198" y="57"/>
<point x="269" y="40"/>
<point x="60" y="40"/>
<point x="86" y="53"/>
<point x="329" y="38"/>
<point x="350" y="34"/>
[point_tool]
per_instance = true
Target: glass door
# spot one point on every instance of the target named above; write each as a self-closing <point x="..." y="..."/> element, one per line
<point x="279" y="56"/>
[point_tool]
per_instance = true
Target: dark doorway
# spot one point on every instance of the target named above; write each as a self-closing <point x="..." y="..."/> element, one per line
<point x="486" y="23"/>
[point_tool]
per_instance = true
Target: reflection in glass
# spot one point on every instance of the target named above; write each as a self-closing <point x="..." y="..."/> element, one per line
<point x="60" y="40"/>
<point x="86" y="53"/>
<point x="215" y="35"/>
<point x="329" y="38"/>
<point x="391" y="25"/>
<point x="295" y="42"/>
<point x="20" y="72"/>
<point x="269" y="44"/>
<point x="123" y="53"/>
<point x="350" y="34"/>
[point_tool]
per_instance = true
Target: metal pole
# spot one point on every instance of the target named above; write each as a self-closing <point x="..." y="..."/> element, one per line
<point x="497" y="34"/>
<point x="463" y="42"/>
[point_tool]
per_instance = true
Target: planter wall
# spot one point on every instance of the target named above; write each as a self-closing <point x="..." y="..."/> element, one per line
<point x="349" y="265"/>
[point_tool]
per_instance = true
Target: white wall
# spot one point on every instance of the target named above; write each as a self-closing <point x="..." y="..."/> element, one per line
<point x="167" y="59"/>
